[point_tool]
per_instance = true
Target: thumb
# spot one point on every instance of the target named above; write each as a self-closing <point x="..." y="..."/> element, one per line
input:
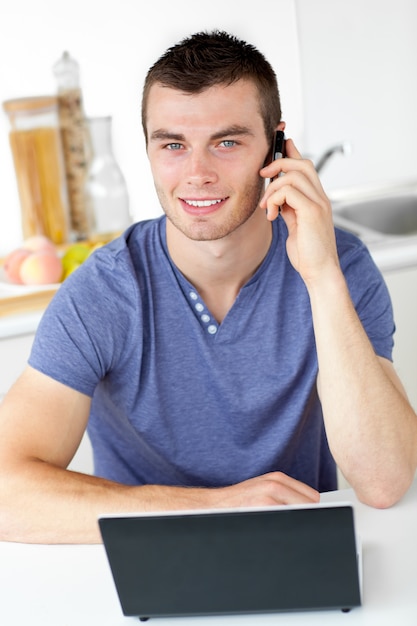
<point x="291" y="151"/>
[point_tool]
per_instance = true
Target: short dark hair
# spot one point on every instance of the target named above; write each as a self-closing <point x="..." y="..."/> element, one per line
<point x="213" y="58"/>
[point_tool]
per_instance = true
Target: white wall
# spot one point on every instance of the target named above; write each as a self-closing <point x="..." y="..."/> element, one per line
<point x="359" y="69"/>
<point x="115" y="41"/>
<point x="359" y="73"/>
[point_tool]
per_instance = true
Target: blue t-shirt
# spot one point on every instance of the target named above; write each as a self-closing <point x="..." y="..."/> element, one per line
<point x="179" y="399"/>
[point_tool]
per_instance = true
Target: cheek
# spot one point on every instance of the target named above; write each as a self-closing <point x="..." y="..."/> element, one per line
<point x="253" y="189"/>
<point x="162" y="181"/>
<point x="165" y="173"/>
<point x="249" y="167"/>
<point x="250" y="177"/>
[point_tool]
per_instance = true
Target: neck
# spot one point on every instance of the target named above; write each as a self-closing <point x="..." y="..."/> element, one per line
<point x="219" y="269"/>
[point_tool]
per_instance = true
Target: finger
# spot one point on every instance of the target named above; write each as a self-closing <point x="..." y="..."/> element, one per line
<point x="293" y="162"/>
<point x="291" y="150"/>
<point x="278" y="488"/>
<point x="288" y="166"/>
<point x="290" y="496"/>
<point x="298" y="180"/>
<point x="291" y="197"/>
<point x="293" y="487"/>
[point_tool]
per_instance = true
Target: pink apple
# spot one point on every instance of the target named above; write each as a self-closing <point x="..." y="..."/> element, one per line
<point x="38" y="243"/>
<point x="12" y="264"/>
<point x="41" y="268"/>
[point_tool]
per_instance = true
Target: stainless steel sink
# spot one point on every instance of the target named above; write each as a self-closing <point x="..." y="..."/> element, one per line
<point x="390" y="215"/>
<point x="385" y="218"/>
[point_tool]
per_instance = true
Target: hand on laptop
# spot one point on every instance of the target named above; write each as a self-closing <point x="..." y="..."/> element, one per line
<point x="270" y="489"/>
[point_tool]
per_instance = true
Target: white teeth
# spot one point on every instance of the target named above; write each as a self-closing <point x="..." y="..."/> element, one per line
<point x="202" y="203"/>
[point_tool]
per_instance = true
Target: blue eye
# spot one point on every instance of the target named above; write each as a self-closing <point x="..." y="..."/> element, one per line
<point x="228" y="143"/>
<point x="174" y="146"/>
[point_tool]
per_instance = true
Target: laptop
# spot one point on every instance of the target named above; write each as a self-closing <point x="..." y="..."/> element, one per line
<point x="237" y="561"/>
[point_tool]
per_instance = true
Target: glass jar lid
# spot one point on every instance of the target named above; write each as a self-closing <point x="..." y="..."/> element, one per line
<point x="20" y="108"/>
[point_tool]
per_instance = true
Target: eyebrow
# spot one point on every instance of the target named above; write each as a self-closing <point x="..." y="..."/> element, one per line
<point x="234" y="131"/>
<point x="164" y="135"/>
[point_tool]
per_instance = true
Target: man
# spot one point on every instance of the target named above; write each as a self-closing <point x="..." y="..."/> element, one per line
<point x="224" y="355"/>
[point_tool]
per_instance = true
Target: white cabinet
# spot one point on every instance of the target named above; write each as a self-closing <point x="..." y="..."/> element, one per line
<point x="14" y="352"/>
<point x="402" y="285"/>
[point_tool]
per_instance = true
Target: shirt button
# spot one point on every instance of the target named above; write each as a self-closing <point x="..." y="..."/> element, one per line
<point x="193" y="295"/>
<point x="199" y="307"/>
<point x="212" y="329"/>
<point x="205" y="318"/>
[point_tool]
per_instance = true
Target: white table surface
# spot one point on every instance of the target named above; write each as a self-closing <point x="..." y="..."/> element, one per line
<point x="44" y="585"/>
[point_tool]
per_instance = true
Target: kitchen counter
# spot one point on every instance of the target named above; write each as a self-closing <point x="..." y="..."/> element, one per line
<point x="22" y="306"/>
<point x="19" y="324"/>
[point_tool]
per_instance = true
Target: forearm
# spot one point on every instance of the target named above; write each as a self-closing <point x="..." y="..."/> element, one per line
<point x="46" y="504"/>
<point x="371" y="428"/>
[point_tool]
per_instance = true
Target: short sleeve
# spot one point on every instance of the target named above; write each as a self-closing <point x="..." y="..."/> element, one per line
<point x="87" y="326"/>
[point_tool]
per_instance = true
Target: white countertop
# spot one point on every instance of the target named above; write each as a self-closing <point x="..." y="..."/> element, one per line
<point x="28" y="303"/>
<point x="72" y="585"/>
<point x="19" y="324"/>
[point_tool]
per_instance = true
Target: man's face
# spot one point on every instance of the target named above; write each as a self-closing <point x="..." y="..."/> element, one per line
<point x="205" y="152"/>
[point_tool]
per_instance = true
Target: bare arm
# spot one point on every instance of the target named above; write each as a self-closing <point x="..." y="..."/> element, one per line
<point x="41" y="425"/>
<point x="371" y="427"/>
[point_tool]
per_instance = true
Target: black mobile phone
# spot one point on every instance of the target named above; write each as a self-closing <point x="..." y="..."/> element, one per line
<point x="278" y="147"/>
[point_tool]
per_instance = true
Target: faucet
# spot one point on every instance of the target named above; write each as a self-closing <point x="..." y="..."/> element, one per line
<point x="345" y="148"/>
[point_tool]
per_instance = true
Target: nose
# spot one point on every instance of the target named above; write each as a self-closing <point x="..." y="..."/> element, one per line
<point x="200" y="168"/>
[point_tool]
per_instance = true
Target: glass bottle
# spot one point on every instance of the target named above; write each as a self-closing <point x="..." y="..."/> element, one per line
<point x="105" y="187"/>
<point x="37" y="154"/>
<point x="73" y="134"/>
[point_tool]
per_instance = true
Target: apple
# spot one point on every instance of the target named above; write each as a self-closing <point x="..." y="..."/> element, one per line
<point x="40" y="268"/>
<point x="12" y="264"/>
<point x="38" y="243"/>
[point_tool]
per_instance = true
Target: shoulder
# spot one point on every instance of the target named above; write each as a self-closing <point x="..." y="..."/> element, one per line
<point x="108" y="284"/>
<point x="348" y="243"/>
<point x="355" y="257"/>
<point x="140" y="239"/>
<point x="117" y="262"/>
<point x="96" y="317"/>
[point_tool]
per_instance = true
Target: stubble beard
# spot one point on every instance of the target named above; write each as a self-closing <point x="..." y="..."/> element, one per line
<point x="203" y="228"/>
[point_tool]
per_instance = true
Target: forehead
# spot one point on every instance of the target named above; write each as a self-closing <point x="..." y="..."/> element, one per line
<point x="219" y="105"/>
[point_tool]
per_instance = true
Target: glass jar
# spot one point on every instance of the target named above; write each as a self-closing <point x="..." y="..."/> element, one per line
<point x="73" y="135"/>
<point x="105" y="187"/>
<point x="37" y="154"/>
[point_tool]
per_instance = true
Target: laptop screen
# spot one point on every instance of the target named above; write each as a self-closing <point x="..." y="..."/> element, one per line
<point x="277" y="559"/>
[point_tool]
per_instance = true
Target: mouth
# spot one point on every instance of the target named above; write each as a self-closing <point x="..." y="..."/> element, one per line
<point x="202" y="207"/>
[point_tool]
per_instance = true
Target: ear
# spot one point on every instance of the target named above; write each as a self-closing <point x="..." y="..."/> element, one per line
<point x="281" y="126"/>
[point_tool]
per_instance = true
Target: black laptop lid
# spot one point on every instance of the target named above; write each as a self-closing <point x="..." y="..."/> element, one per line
<point x="233" y="562"/>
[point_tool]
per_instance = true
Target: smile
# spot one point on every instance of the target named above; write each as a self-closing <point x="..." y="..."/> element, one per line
<point x="200" y="208"/>
<point x="203" y="203"/>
